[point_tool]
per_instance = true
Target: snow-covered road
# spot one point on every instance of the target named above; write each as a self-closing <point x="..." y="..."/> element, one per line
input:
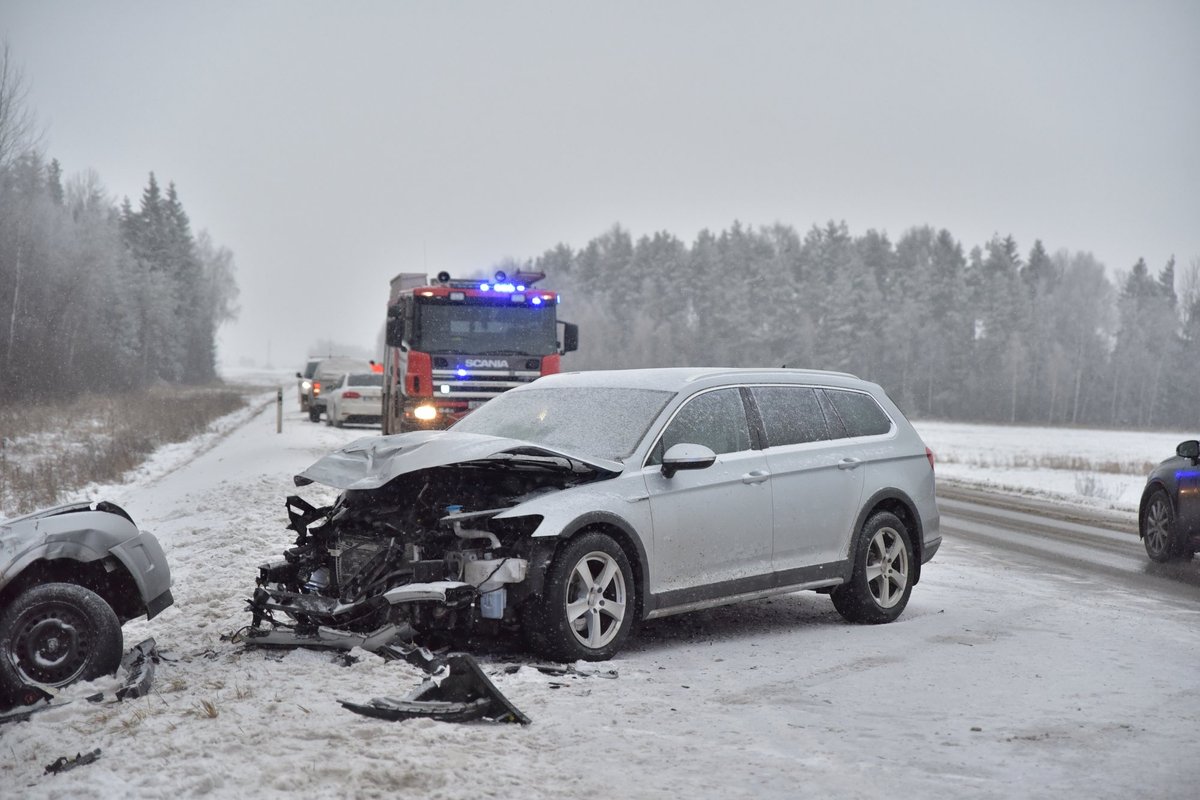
<point x="1000" y="680"/>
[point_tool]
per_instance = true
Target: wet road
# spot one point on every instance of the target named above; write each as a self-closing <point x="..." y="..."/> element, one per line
<point x="1047" y="536"/>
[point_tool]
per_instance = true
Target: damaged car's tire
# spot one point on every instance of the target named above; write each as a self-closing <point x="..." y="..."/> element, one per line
<point x="587" y="608"/>
<point x="55" y="634"/>
<point x="882" y="579"/>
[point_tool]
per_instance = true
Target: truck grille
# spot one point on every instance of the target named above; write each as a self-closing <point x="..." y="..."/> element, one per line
<point x="481" y="384"/>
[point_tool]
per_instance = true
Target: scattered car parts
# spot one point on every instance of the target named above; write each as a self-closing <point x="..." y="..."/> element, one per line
<point x="460" y="693"/>
<point x="62" y="763"/>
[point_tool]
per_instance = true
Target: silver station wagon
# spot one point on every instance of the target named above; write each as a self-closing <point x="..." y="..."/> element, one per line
<point x="572" y="508"/>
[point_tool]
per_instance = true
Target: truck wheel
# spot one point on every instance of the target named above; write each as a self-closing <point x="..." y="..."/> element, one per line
<point x="587" y="607"/>
<point x="55" y="634"/>
<point x="881" y="582"/>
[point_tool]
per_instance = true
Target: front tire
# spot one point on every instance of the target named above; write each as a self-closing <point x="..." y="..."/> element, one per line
<point x="881" y="582"/>
<point x="1158" y="529"/>
<point x="587" y="608"/>
<point x="56" y="634"/>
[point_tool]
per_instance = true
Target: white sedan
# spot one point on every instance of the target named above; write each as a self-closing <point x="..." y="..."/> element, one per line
<point x="356" y="397"/>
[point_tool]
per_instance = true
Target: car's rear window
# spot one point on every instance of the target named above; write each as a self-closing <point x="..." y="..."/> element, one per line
<point x="859" y="412"/>
<point x="365" y="379"/>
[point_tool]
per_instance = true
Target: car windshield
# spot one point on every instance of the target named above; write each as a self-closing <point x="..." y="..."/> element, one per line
<point x="588" y="421"/>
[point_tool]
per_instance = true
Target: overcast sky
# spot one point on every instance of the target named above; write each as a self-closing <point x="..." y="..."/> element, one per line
<point x="332" y="145"/>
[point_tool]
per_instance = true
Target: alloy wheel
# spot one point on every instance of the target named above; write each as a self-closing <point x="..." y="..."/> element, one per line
<point x="596" y="600"/>
<point x="887" y="567"/>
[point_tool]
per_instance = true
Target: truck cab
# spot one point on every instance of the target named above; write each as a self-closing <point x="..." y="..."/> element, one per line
<point x="452" y="345"/>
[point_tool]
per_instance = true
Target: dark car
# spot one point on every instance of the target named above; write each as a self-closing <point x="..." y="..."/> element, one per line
<point x="70" y="577"/>
<point x="1169" y="517"/>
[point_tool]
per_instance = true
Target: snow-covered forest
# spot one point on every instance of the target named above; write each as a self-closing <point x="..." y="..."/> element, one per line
<point x="994" y="334"/>
<point x="94" y="296"/>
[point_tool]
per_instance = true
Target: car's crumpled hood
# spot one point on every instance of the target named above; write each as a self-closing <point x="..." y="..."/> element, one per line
<point x="374" y="461"/>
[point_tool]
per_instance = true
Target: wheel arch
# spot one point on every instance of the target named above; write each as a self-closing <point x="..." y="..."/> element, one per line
<point x="621" y="532"/>
<point x="106" y="576"/>
<point x="1152" y="486"/>
<point x="896" y="502"/>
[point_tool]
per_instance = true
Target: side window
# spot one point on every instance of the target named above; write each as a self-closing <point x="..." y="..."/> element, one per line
<point x="714" y="419"/>
<point x="790" y="414"/>
<point x="860" y="413"/>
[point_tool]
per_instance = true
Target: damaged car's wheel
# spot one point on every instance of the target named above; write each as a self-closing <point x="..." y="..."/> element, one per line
<point x="58" y="633"/>
<point x="587" y="607"/>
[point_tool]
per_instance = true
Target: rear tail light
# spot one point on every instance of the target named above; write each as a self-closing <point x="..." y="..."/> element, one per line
<point x="929" y="455"/>
<point x="316" y="387"/>
<point x="351" y="395"/>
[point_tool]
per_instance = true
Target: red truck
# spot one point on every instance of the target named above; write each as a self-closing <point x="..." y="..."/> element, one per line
<point x="452" y="345"/>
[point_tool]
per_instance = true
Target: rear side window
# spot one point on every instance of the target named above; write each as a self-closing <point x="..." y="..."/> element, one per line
<point x="714" y="419"/>
<point x="859" y="412"/>
<point x="790" y="414"/>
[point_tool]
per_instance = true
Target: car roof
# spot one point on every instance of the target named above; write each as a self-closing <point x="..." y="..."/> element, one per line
<point x="675" y="379"/>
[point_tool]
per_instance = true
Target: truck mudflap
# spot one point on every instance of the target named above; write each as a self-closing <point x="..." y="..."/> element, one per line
<point x="460" y="693"/>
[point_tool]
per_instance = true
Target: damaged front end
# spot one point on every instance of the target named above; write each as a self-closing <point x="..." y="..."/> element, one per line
<point x="423" y="543"/>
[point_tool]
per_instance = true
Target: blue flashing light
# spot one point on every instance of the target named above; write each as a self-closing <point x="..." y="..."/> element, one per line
<point x="505" y="287"/>
<point x="462" y="373"/>
<point x="537" y="301"/>
<point x="520" y="287"/>
<point x="483" y="287"/>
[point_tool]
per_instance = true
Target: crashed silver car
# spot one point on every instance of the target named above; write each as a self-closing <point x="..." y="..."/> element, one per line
<point x="572" y="508"/>
<point x="70" y="577"/>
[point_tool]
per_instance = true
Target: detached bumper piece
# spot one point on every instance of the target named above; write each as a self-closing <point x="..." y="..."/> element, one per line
<point x="138" y="665"/>
<point x="464" y="694"/>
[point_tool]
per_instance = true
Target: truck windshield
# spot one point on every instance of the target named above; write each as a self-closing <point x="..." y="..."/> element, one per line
<point x="483" y="329"/>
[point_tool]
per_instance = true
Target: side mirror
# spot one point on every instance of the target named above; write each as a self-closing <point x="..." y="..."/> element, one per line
<point x="570" y="337"/>
<point x="298" y="375"/>
<point x="686" y="456"/>
<point x="1189" y="449"/>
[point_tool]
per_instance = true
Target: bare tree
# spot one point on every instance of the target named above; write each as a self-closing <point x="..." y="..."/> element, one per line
<point x="19" y="132"/>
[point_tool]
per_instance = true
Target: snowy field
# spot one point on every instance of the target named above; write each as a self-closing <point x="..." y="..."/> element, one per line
<point x="997" y="682"/>
<point x="1099" y="468"/>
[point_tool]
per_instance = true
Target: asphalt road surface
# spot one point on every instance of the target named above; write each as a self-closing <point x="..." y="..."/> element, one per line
<point x="1045" y="535"/>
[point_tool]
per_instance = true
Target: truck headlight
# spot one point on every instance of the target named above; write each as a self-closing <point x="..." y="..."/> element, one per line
<point x="425" y="413"/>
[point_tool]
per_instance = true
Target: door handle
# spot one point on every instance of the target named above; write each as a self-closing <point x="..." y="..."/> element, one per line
<point x="849" y="463"/>
<point x="756" y="476"/>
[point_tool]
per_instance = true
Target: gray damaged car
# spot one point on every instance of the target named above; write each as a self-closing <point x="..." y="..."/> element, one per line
<point x="70" y="577"/>
<point x="571" y="509"/>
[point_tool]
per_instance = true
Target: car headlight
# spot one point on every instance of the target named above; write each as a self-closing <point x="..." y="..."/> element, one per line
<point x="425" y="413"/>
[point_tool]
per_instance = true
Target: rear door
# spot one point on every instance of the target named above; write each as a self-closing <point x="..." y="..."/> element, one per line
<point x="710" y="525"/>
<point x="817" y="480"/>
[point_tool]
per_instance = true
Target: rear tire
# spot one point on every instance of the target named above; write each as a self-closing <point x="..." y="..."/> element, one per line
<point x="881" y="582"/>
<point x="1158" y="529"/>
<point x="55" y="634"/>
<point x="587" y="607"/>
<point x="314" y="414"/>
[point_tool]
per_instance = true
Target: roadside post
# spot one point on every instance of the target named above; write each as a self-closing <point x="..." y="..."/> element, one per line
<point x="279" y="410"/>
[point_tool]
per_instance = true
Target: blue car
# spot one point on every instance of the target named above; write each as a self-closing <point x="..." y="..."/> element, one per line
<point x="1169" y="517"/>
